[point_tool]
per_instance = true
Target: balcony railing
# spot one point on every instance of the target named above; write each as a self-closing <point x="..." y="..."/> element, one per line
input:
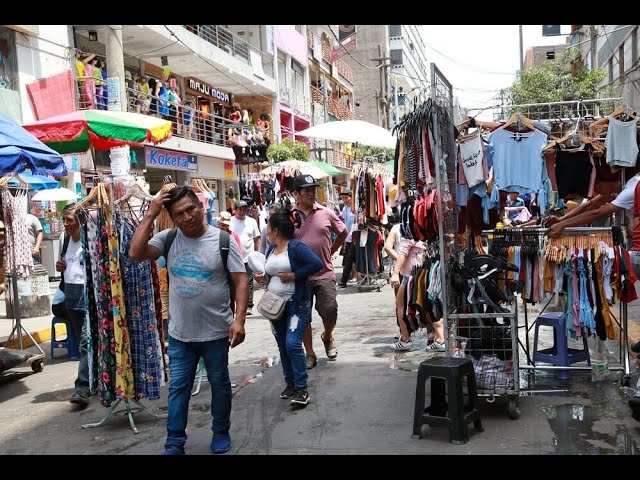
<point x="187" y="122"/>
<point x="339" y="110"/>
<point x="326" y="50"/>
<point x="316" y="95"/>
<point x="340" y="159"/>
<point x="345" y="70"/>
<point x="232" y="44"/>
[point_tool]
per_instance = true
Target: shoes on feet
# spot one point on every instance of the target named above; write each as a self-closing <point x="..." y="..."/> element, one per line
<point x="342" y="285"/>
<point x="312" y="361"/>
<point x="173" y="451"/>
<point x="402" y="346"/>
<point x="80" y="397"/>
<point x="221" y="442"/>
<point x="436" y="346"/>
<point x="330" y="348"/>
<point x="288" y="392"/>
<point x="300" y="398"/>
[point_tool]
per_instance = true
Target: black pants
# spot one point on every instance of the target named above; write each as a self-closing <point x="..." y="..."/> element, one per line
<point x="348" y="261"/>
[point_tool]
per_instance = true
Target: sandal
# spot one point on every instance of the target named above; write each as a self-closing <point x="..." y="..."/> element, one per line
<point x="330" y="348"/>
<point x="312" y="361"/>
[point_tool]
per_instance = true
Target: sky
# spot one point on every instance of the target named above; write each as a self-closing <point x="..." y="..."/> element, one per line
<point x="479" y="60"/>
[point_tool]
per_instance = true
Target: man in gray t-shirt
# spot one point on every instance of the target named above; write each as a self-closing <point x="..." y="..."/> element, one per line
<point x="34" y="228"/>
<point x="201" y="324"/>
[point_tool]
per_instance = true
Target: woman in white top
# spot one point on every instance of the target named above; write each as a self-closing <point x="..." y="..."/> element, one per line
<point x="289" y="264"/>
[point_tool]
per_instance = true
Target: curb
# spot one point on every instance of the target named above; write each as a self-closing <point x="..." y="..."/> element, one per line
<point x="41" y="336"/>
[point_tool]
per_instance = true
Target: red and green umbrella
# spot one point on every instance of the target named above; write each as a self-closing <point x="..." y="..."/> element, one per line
<point x="102" y="129"/>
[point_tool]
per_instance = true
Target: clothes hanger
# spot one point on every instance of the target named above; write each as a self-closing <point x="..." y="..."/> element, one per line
<point x="135" y="191"/>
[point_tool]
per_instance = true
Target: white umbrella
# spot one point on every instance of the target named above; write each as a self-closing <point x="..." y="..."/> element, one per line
<point x="296" y="167"/>
<point x="55" y="195"/>
<point x="351" y="131"/>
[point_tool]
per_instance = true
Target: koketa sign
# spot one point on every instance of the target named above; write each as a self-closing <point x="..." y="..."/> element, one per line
<point x="203" y="88"/>
<point x="170" y="160"/>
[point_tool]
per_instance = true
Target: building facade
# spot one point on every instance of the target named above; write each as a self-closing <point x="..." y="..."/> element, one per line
<point x="536" y="56"/>
<point x="195" y="82"/>
<point x="614" y="48"/>
<point x="391" y="65"/>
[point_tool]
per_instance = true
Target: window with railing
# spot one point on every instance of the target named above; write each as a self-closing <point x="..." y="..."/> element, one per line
<point x="326" y="49"/>
<point x="229" y="42"/>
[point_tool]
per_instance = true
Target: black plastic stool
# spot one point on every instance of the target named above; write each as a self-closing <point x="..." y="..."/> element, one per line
<point x="450" y="411"/>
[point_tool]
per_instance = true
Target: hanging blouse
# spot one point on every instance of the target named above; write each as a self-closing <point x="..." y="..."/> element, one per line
<point x="621" y="142"/>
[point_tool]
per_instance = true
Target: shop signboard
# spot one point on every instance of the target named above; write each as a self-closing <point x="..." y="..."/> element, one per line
<point x="228" y="169"/>
<point x="170" y="160"/>
<point x="201" y="88"/>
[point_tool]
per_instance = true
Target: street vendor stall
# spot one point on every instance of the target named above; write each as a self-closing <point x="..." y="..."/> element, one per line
<point x="20" y="151"/>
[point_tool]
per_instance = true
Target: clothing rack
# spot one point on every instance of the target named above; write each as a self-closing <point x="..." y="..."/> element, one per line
<point x="139" y="407"/>
<point x="622" y="322"/>
<point x="36" y="361"/>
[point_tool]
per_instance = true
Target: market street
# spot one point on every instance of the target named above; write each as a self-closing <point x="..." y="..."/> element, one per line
<point x="360" y="404"/>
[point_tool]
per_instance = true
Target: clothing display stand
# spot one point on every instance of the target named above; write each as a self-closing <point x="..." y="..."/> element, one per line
<point x="112" y="179"/>
<point x="129" y="411"/>
<point x="621" y="321"/>
<point x="36" y="361"/>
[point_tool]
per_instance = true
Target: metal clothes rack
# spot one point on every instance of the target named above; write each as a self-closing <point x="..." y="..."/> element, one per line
<point x="36" y="361"/>
<point x="621" y="321"/>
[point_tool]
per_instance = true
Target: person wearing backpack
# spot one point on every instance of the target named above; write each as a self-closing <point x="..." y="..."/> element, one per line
<point x="204" y="270"/>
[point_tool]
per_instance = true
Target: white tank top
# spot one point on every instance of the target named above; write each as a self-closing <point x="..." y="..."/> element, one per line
<point x="622" y="142"/>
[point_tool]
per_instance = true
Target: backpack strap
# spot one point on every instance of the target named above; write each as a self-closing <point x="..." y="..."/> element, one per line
<point x="225" y="239"/>
<point x="224" y="249"/>
<point x="65" y="246"/>
<point x="171" y="236"/>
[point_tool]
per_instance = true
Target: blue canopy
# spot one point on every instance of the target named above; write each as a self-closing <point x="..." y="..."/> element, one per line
<point x="20" y="150"/>
<point x="35" y="182"/>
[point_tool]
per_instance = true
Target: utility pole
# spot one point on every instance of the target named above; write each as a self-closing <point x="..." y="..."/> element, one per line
<point x="116" y="87"/>
<point x="395" y="103"/>
<point x="383" y="96"/>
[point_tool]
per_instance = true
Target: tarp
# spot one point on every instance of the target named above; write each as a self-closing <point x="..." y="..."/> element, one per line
<point x="20" y="150"/>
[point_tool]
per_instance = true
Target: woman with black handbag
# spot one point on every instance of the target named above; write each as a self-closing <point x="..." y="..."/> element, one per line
<point x="289" y="264"/>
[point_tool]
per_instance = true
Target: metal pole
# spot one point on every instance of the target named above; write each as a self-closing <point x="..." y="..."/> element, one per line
<point x="521" y="48"/>
<point x="441" y="239"/>
<point x="395" y="102"/>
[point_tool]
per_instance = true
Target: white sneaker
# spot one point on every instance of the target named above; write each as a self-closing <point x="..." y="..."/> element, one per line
<point x="435" y="346"/>
<point x="402" y="346"/>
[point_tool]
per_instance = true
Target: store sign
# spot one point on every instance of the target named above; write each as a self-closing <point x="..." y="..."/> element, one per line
<point x="159" y="158"/>
<point x="228" y="169"/>
<point x="203" y="88"/>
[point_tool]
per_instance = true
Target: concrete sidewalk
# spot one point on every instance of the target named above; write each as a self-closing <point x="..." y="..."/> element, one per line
<point x="38" y="327"/>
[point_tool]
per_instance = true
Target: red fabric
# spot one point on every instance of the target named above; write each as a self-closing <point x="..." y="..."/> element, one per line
<point x="52" y="95"/>
<point x="380" y="192"/>
<point x="635" y="243"/>
<point x="628" y="293"/>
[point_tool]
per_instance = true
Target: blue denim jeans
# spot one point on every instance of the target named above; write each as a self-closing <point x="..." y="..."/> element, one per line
<point x="183" y="364"/>
<point x="288" y="332"/>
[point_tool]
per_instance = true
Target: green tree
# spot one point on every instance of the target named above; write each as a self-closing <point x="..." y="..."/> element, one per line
<point x="556" y="81"/>
<point x="288" y="149"/>
<point x="381" y="153"/>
